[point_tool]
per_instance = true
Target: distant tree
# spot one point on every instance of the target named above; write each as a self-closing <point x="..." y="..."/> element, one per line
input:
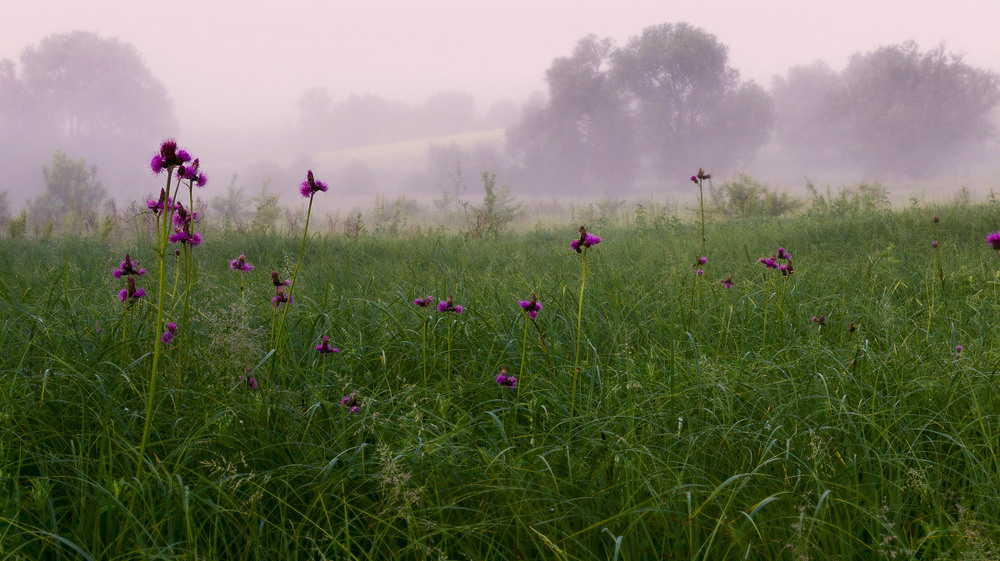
<point x="912" y="113"/>
<point x="808" y="129"/>
<point x="581" y="139"/>
<point x="70" y="187"/>
<point x="86" y="94"/>
<point x="690" y="106"/>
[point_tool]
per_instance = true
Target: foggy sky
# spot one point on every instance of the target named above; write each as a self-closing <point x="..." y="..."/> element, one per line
<point x="238" y="65"/>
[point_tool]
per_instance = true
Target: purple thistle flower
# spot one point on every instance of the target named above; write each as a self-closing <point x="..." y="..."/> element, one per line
<point x="424" y="302"/>
<point x="993" y="240"/>
<point x="727" y="282"/>
<point x="281" y="298"/>
<point x="240" y="264"/>
<point x="310" y="186"/>
<point x="130" y="294"/>
<point x="276" y="280"/>
<point x="700" y="272"/>
<point x="449" y="306"/>
<point x="934" y="244"/>
<point x="156" y="164"/>
<point x="958" y="348"/>
<point x="937" y="219"/>
<point x="584" y="241"/>
<point x="532" y="307"/>
<point x="168" y="335"/>
<point x="351" y="402"/>
<point x="126" y="267"/>
<point x="821" y="320"/>
<point x="249" y="381"/>
<point x="694" y="179"/>
<point x="505" y="381"/>
<point x="325" y="348"/>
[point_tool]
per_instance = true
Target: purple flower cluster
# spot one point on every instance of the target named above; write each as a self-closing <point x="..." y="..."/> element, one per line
<point x="310" y="186"/>
<point x="727" y="282"/>
<point x="532" y="307"/>
<point x="505" y="381"/>
<point x="584" y="241"/>
<point x="127" y="268"/>
<point x="157" y="205"/>
<point x="449" y="306"/>
<point x="280" y="297"/>
<point x="324" y="348"/>
<point x="424" y="302"/>
<point x="249" y="381"/>
<point x="775" y="262"/>
<point x="820" y="321"/>
<point x="168" y="157"/>
<point x="700" y="176"/>
<point x="168" y="335"/>
<point x="351" y="402"/>
<point x="182" y="227"/>
<point x="130" y="294"/>
<point x="993" y="240"/>
<point x="192" y="174"/>
<point x="240" y="264"/>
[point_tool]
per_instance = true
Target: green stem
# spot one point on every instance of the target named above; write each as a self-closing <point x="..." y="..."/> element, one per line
<point x="291" y="286"/>
<point x="161" y="244"/>
<point x="524" y="354"/>
<point x="579" y="331"/>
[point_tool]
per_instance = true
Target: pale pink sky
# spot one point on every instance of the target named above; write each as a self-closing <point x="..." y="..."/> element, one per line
<point x="238" y="63"/>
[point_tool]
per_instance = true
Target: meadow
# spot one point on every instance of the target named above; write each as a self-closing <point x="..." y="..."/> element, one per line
<point x="845" y="411"/>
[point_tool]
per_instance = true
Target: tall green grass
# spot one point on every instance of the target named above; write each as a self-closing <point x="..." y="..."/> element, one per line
<point x="737" y="434"/>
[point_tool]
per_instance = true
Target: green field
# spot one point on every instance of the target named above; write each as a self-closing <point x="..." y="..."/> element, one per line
<point x="660" y="416"/>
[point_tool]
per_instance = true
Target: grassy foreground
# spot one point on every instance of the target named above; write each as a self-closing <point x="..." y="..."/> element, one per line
<point x="709" y="422"/>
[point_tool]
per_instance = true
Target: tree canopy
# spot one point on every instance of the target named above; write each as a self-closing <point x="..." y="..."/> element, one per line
<point x="87" y="95"/>
<point x="667" y="99"/>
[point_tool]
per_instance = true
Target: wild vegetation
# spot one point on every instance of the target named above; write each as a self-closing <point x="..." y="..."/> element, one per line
<point x="649" y="387"/>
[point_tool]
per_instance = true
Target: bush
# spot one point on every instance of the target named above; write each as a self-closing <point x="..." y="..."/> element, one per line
<point x="745" y="197"/>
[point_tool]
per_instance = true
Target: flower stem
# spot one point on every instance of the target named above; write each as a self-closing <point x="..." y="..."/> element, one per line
<point x="579" y="324"/>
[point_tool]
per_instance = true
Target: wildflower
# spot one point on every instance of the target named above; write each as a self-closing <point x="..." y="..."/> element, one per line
<point x="240" y="264"/>
<point x="168" y="335"/>
<point x="936" y="219"/>
<point x="130" y="293"/>
<point x="586" y="240"/>
<point x="700" y="272"/>
<point x="701" y="260"/>
<point x="127" y="268"/>
<point x="351" y="402"/>
<point x="821" y="320"/>
<point x="168" y="157"/>
<point x="281" y="298"/>
<point x="505" y="381"/>
<point x="727" y="282"/>
<point x="324" y="348"/>
<point x="782" y="254"/>
<point x="934" y="244"/>
<point x="250" y="381"/>
<point x="192" y="174"/>
<point x="157" y="205"/>
<point x="424" y="302"/>
<point x="310" y="186"/>
<point x="449" y="306"/>
<point x="276" y="280"/>
<point x="532" y="306"/>
<point x="185" y="237"/>
<point x="851" y="327"/>
<point x="703" y="175"/>
<point x="993" y="240"/>
<point x="183" y="218"/>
